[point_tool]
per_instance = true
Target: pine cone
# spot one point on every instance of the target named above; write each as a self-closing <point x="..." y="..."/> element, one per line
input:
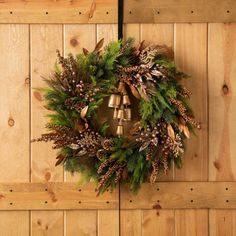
<point x="119" y="174"/>
<point x="107" y="144"/>
<point x="100" y="154"/>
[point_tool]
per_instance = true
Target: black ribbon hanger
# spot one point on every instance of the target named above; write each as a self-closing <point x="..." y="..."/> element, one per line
<point x="120" y="18"/>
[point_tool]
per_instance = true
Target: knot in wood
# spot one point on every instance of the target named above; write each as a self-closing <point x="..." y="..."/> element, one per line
<point x="74" y="42"/>
<point x="11" y="122"/>
<point x="225" y="89"/>
<point x="27" y="80"/>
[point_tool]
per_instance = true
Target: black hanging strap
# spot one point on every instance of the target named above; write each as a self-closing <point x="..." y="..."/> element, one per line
<point x="120" y="18"/>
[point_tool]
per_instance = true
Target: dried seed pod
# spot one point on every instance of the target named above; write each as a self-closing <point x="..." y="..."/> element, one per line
<point x="83" y="112"/>
<point x="171" y="131"/>
<point x="134" y="91"/>
<point x="186" y="131"/>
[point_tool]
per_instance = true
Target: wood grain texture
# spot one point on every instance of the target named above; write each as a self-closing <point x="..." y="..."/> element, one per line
<point x="14" y="92"/>
<point x="47" y="223"/>
<point x="131" y="222"/>
<point x="222" y="129"/>
<point x="222" y="222"/>
<point x="166" y="195"/>
<point x="164" y="11"/>
<point x="132" y="30"/>
<point x="108" y="32"/>
<point x="81" y="223"/>
<point x="45" y="39"/>
<point x="14" y="105"/>
<point x="177" y="195"/>
<point x="156" y="222"/>
<point x="14" y="118"/>
<point x="77" y="37"/>
<point x="162" y="34"/>
<point x="65" y="11"/>
<point x="191" y="223"/>
<point x="191" y="57"/>
<point x="105" y="11"/>
<point x="222" y="101"/>
<point x="108" y="223"/>
<point x="54" y="195"/>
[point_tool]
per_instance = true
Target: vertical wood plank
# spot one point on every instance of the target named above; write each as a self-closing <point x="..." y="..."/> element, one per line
<point x="158" y="222"/>
<point x="132" y="30"/>
<point x="81" y="223"/>
<point x="191" y="222"/>
<point x="162" y="34"/>
<point x="161" y="222"/>
<point x="222" y="222"/>
<point x="222" y="101"/>
<point x="131" y="220"/>
<point x="191" y="57"/>
<point x="108" y="222"/>
<point x="45" y="39"/>
<point x="77" y="37"/>
<point x="222" y="116"/>
<point x="109" y="33"/>
<point x="14" y="119"/>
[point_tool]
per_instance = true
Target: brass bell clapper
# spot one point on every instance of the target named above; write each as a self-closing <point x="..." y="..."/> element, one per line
<point x="120" y="102"/>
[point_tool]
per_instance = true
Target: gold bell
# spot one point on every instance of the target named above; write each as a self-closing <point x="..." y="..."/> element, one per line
<point x="126" y="100"/>
<point x="120" y="130"/>
<point x="127" y="114"/>
<point x="120" y="114"/>
<point x="114" y="101"/>
<point x="115" y="114"/>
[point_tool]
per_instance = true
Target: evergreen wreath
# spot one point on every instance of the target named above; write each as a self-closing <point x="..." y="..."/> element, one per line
<point x="151" y="115"/>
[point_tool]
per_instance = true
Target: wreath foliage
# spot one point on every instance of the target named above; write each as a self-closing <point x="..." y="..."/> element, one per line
<point x="128" y="79"/>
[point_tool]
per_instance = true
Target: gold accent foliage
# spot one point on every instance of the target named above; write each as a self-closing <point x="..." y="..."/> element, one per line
<point x="171" y="132"/>
<point x="135" y="92"/>
<point x="186" y="132"/>
<point x="83" y="112"/>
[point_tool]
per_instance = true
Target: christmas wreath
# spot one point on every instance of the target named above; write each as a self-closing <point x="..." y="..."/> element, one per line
<point x="120" y="115"/>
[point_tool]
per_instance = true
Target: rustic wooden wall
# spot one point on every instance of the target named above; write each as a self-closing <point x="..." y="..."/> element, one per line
<point x="206" y="51"/>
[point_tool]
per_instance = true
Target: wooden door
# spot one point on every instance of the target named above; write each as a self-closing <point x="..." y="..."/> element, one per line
<point x="197" y="200"/>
